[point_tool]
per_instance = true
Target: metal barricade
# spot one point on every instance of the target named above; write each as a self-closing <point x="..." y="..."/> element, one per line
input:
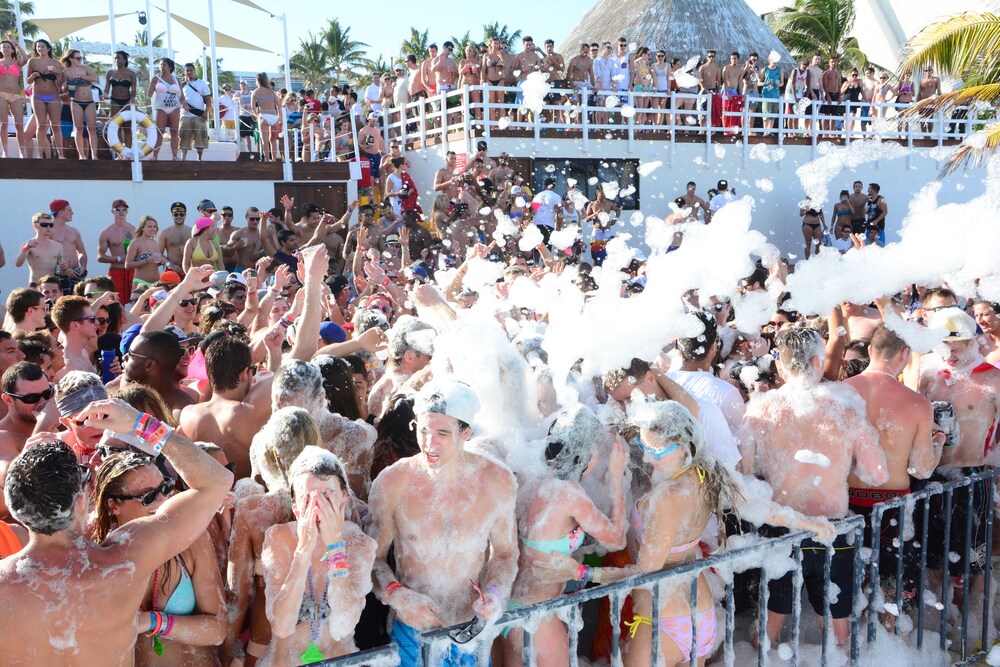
<point x="870" y="609"/>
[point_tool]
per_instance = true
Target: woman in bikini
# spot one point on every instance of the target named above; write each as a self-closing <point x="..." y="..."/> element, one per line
<point x="555" y="514"/>
<point x="274" y="448"/>
<point x="78" y="78"/>
<point x="469" y="75"/>
<point x="493" y="75"/>
<point x="319" y="566"/>
<point x="12" y="59"/>
<point x="168" y="98"/>
<point x="203" y="246"/>
<point x="642" y="82"/>
<point x="184" y="598"/>
<point x="143" y="254"/>
<point x="45" y="76"/>
<point x="120" y="86"/>
<point x="264" y="102"/>
<point x="813" y="226"/>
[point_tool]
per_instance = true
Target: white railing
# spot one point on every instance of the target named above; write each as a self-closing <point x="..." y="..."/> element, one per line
<point x="639" y="115"/>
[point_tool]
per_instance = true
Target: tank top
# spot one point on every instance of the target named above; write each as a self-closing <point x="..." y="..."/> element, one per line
<point x="872" y="211"/>
<point x="167" y="95"/>
<point x="662" y="78"/>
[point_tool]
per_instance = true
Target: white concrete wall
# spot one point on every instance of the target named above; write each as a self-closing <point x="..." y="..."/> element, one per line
<point x="776" y="210"/>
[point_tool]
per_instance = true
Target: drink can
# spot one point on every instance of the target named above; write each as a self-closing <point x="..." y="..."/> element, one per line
<point x="944" y="417"/>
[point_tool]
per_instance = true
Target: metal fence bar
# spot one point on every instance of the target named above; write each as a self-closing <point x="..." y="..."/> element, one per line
<point x="656" y="623"/>
<point x="827" y="616"/>
<point x="616" y="620"/>
<point x="875" y="584"/>
<point x="796" y="603"/>
<point x="858" y="584"/>
<point x="385" y="655"/>
<point x="693" y="652"/>
<point x="730" y="623"/>
<point x="922" y="579"/>
<point x="901" y="527"/>
<point x="965" y="578"/>
<point x="574" y="641"/>
<point x="987" y="625"/>
<point x="763" y="640"/>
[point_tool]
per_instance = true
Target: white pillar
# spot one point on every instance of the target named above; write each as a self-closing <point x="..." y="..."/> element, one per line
<point x="149" y="36"/>
<point x="170" y="34"/>
<point x="215" y="65"/>
<point x="288" y="69"/>
<point x="111" y="20"/>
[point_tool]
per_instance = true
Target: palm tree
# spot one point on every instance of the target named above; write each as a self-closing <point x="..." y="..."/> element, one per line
<point x="416" y="45"/>
<point x="142" y="66"/>
<point x="462" y="42"/>
<point x="378" y="66"/>
<point x="343" y="53"/>
<point x="967" y="47"/>
<point x="809" y="27"/>
<point x="501" y="32"/>
<point x="8" y="20"/>
<point x="310" y="63"/>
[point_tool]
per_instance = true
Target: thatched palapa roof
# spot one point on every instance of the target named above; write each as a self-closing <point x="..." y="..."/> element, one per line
<point x="682" y="28"/>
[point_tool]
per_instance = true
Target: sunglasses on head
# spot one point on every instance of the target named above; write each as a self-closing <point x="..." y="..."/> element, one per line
<point x="31" y="399"/>
<point x="657" y="454"/>
<point x="147" y="498"/>
<point x="47" y="225"/>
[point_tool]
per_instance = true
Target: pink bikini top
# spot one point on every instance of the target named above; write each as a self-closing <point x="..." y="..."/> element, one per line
<point x="640" y="531"/>
<point x="13" y="69"/>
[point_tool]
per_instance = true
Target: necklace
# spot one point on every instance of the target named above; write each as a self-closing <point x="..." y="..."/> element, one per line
<point x="878" y="372"/>
<point x="312" y="653"/>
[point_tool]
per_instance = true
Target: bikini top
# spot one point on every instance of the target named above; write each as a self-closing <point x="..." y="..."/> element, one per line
<point x="640" y="531"/>
<point x="906" y="88"/>
<point x="164" y="87"/>
<point x="565" y="545"/>
<point x="49" y="76"/>
<point x="182" y="601"/>
<point x="13" y="70"/>
<point x="120" y="83"/>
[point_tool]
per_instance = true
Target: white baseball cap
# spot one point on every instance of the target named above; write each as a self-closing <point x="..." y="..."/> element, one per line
<point x="448" y="397"/>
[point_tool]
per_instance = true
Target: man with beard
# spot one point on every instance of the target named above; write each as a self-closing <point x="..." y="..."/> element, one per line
<point x="955" y="373"/>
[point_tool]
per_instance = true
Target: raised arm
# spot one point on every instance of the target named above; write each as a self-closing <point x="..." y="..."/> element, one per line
<point x="194" y="280"/>
<point x="307" y="329"/>
<point x="675" y="392"/>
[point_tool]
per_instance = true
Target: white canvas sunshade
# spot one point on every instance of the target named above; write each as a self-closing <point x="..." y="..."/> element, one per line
<point x="222" y="40"/>
<point x="58" y="28"/>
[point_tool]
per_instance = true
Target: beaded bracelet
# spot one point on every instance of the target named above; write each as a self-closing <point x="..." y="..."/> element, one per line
<point x="155" y="623"/>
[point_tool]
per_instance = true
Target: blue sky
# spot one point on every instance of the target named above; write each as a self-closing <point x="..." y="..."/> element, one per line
<point x="382" y="24"/>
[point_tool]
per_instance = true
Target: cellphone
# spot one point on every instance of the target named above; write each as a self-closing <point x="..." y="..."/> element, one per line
<point x="251" y="273"/>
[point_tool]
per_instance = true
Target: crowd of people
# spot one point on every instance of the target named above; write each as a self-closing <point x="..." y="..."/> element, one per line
<point x="286" y="440"/>
<point x="62" y="96"/>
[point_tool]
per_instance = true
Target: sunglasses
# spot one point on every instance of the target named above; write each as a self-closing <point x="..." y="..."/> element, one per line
<point x="102" y="321"/>
<point x="227" y="215"/>
<point x="119" y="209"/>
<point x="107" y="451"/>
<point x="47" y="225"/>
<point x="257" y="219"/>
<point x="130" y="354"/>
<point x="179" y="215"/>
<point x="87" y="318"/>
<point x="184" y="303"/>
<point x="31" y="399"/>
<point x="149" y="497"/>
<point x="85" y="473"/>
<point x="657" y="454"/>
<point x="95" y="294"/>
<point x="208" y="211"/>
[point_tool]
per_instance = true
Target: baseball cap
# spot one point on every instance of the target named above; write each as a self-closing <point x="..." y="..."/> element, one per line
<point x="170" y="277"/>
<point x="417" y="273"/>
<point x="182" y="336"/>
<point x="398" y="68"/>
<point x="128" y="336"/>
<point x="178" y="206"/>
<point x="201" y="225"/>
<point x="236" y="278"/>
<point x="57" y="205"/>
<point x="958" y="324"/>
<point x="331" y="332"/>
<point x="448" y="397"/>
<point x="373" y="116"/>
<point x="119" y="203"/>
<point x="207" y="205"/>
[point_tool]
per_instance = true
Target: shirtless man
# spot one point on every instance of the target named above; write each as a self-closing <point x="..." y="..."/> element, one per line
<point x="709" y="74"/>
<point x="410" y="347"/>
<point x="26" y="390"/>
<point x="246" y="240"/>
<point x="152" y="360"/>
<point x="73" y="267"/>
<point x="416" y="85"/>
<point x="956" y="373"/>
<point x="76" y="320"/>
<point x="372" y="145"/>
<point x="832" y="82"/>
<point x="43" y="253"/>
<point x="807" y="456"/>
<point x="445" y="69"/>
<point x="476" y="537"/>
<point x="553" y="64"/>
<point x="445" y="180"/>
<point x="315" y="227"/>
<point x="527" y="61"/>
<point x="693" y="201"/>
<point x="732" y="75"/>
<point x="908" y="437"/>
<point x="174" y="237"/>
<point x="111" y="247"/>
<point x="858" y="201"/>
<point x="815" y="79"/>
<point x="580" y="75"/>
<point x="96" y="588"/>
<point x="366" y="221"/>
<point x="930" y="86"/>
<point x="987" y="316"/>
<point x="427" y="73"/>
<point x="225" y="231"/>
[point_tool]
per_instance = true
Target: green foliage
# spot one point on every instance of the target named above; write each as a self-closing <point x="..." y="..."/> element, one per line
<point x="8" y="19"/>
<point x="416" y="45"/>
<point x="502" y="32"/>
<point x="809" y="27"/>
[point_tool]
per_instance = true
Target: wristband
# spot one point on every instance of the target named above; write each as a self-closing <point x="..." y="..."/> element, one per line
<point x="583" y="573"/>
<point x="392" y="588"/>
<point x="159" y="437"/>
<point x="284" y="323"/>
<point x="169" y="626"/>
<point x="385" y="282"/>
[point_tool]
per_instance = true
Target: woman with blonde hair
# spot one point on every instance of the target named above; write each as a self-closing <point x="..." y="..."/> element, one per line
<point x="143" y="254"/>
<point x="264" y="102"/>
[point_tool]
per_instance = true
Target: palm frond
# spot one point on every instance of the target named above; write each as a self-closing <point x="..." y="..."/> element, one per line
<point x="987" y="94"/>
<point x="955" y="45"/>
<point x="975" y="155"/>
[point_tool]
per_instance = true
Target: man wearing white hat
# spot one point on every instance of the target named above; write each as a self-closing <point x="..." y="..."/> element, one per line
<point x="956" y="373"/>
<point x="449" y="514"/>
